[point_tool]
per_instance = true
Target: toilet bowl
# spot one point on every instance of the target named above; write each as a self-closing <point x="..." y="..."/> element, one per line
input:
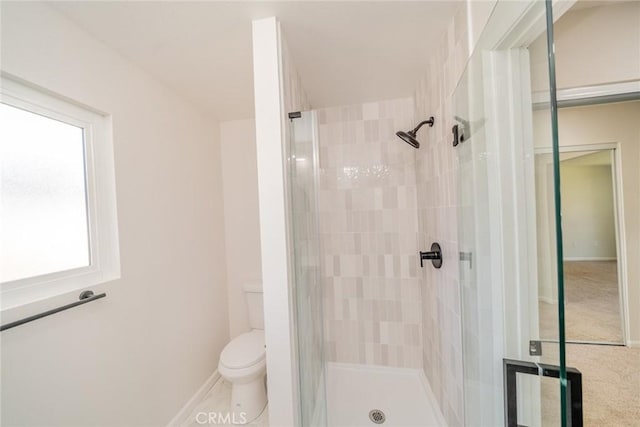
<point x="243" y="363"/>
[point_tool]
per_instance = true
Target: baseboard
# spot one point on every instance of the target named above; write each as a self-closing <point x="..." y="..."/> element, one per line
<point x="548" y="300"/>
<point x="579" y="258"/>
<point x="432" y="398"/>
<point x="633" y="343"/>
<point x="191" y="404"/>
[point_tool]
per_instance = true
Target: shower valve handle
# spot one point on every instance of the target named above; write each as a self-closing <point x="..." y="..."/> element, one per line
<point x="435" y="255"/>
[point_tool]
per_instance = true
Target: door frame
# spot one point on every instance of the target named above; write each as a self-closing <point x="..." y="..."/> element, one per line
<point x="620" y="230"/>
<point x="590" y="95"/>
<point x="518" y="25"/>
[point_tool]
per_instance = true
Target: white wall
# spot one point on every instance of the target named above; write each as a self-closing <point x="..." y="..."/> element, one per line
<point x="135" y="357"/>
<point x="270" y="139"/>
<point x="478" y="14"/>
<point x="588" y="225"/>
<point x="593" y="46"/>
<point x="241" y="218"/>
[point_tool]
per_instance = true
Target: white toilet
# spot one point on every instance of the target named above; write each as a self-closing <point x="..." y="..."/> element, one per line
<point x="243" y="362"/>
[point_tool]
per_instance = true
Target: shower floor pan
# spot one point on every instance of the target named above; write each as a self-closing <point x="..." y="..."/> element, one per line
<point x="402" y="395"/>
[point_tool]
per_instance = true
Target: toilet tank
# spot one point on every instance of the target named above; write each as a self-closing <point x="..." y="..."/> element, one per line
<point x="253" y="295"/>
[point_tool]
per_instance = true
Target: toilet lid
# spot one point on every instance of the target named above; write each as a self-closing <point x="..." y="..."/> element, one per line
<point x="244" y="351"/>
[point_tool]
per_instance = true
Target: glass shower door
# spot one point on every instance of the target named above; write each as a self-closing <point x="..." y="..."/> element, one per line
<point x="304" y="239"/>
<point x="560" y="405"/>
<point x="509" y="237"/>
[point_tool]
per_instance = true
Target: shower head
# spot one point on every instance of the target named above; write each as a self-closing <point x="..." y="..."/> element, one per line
<point x="410" y="136"/>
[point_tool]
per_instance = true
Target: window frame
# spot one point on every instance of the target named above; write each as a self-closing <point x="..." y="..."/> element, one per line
<point x="100" y="191"/>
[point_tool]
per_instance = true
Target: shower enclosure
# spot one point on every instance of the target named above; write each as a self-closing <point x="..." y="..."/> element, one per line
<point x="358" y="322"/>
<point x="505" y="246"/>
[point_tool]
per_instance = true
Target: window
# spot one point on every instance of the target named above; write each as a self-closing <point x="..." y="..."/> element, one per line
<point x="44" y="200"/>
<point x="58" y="223"/>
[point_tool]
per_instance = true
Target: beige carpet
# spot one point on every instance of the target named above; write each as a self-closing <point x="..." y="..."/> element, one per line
<point x="610" y="374"/>
<point x="610" y="384"/>
<point x="592" y="305"/>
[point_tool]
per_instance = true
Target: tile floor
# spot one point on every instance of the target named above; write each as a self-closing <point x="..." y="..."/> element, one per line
<point x="216" y="404"/>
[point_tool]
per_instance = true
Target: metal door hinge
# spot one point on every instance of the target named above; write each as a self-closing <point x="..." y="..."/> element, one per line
<point x="535" y="348"/>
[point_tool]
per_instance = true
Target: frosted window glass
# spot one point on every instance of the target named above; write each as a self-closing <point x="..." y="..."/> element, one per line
<point x="43" y="208"/>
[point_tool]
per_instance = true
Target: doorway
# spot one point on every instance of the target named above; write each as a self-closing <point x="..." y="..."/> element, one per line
<point x="600" y="336"/>
<point x="594" y="297"/>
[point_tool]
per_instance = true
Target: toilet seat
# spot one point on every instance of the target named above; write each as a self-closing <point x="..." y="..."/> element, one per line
<point x="244" y="351"/>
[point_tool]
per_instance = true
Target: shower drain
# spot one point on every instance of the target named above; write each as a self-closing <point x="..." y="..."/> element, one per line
<point x="377" y="416"/>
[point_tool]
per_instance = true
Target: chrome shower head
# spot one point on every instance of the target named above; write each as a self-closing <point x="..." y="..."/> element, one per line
<point x="410" y="136"/>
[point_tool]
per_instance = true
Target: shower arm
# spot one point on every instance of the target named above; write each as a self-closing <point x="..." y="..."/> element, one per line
<point x="426" y="122"/>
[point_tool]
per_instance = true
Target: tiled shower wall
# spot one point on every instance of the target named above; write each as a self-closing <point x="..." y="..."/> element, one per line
<point x="436" y="170"/>
<point x="368" y="226"/>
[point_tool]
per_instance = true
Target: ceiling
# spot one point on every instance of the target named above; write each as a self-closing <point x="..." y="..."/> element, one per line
<point x="345" y="52"/>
